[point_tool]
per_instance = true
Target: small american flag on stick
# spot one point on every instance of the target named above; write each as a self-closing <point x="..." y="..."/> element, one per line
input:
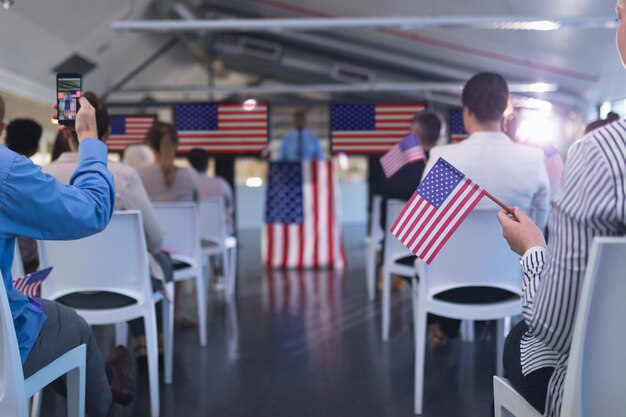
<point x="30" y="285"/>
<point x="406" y="151"/>
<point x="457" y="129"/>
<point x="438" y="207"/>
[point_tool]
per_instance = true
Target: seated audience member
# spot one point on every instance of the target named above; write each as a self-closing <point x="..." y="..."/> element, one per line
<point x="39" y="207"/>
<point x="212" y="186"/>
<point x="167" y="183"/>
<point x="23" y="137"/>
<point x="597" y="124"/>
<point x="130" y="194"/>
<point x="591" y="204"/>
<point x="514" y="173"/>
<point x="138" y="155"/>
<point x="60" y="145"/>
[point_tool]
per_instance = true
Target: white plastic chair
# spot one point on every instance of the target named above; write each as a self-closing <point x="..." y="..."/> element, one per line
<point x="17" y="269"/>
<point x="373" y="244"/>
<point x="475" y="256"/>
<point x="15" y="390"/>
<point x="216" y="241"/>
<point x="394" y="250"/>
<point x="181" y="226"/>
<point x="115" y="261"/>
<point x="594" y="383"/>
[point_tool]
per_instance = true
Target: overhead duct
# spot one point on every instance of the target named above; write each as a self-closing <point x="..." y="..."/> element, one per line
<point x="259" y="48"/>
<point x="351" y="74"/>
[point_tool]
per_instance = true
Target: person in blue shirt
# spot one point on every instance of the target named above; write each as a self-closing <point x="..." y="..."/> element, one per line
<point x="300" y="144"/>
<point x="35" y="205"/>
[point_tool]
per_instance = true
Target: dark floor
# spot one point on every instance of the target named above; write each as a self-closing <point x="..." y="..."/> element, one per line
<point x="308" y="344"/>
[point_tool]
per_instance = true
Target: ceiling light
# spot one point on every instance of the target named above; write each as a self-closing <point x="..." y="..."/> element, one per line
<point x="249" y="104"/>
<point x="7" y="3"/>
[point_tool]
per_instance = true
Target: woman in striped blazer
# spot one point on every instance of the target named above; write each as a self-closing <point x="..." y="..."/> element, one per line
<point x="591" y="203"/>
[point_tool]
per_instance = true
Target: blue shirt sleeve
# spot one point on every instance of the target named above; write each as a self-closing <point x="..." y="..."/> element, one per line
<point x="36" y="205"/>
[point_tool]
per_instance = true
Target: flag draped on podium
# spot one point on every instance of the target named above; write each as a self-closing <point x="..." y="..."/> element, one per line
<point x="302" y="216"/>
<point x="438" y="207"/>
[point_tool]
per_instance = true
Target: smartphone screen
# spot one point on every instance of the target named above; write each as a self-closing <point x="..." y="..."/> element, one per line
<point x="69" y="91"/>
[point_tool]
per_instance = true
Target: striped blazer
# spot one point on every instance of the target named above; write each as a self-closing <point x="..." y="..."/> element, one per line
<point x="592" y="202"/>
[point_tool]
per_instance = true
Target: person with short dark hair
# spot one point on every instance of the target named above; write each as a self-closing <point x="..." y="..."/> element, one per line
<point x="212" y="186"/>
<point x="59" y="146"/>
<point x="130" y="195"/>
<point x="23" y="136"/>
<point x="514" y="173"/>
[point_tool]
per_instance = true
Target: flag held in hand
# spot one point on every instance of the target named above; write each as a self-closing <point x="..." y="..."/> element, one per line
<point x="406" y="151"/>
<point x="30" y="285"/>
<point x="437" y="208"/>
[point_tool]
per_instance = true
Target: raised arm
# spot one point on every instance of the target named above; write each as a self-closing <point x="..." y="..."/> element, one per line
<point x="36" y="205"/>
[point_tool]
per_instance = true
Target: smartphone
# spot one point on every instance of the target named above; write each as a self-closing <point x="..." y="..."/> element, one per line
<point x="69" y="91"/>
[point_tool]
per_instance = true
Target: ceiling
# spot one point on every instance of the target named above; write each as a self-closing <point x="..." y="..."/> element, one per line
<point x="165" y="67"/>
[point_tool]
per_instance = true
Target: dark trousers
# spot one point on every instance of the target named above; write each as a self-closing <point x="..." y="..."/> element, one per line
<point x="62" y="331"/>
<point x="534" y="386"/>
<point x="136" y="327"/>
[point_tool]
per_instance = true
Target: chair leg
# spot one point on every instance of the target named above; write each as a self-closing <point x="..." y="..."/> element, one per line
<point x="386" y="304"/>
<point x="370" y="270"/>
<point x="75" y="392"/>
<point x="121" y="334"/>
<point x="153" y="360"/>
<point x="35" y="408"/>
<point x="500" y="347"/>
<point x="201" y="294"/>
<point x="167" y="308"/>
<point x="232" y="273"/>
<point x="419" y="330"/>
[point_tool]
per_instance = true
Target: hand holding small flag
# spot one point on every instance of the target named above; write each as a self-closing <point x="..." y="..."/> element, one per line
<point x="30" y="285"/>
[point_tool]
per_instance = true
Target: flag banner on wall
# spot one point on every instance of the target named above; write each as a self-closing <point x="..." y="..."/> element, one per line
<point x="438" y="207"/>
<point x="126" y="130"/>
<point x="232" y="128"/>
<point x="457" y="129"/>
<point x="406" y="151"/>
<point x="303" y="216"/>
<point x="370" y="128"/>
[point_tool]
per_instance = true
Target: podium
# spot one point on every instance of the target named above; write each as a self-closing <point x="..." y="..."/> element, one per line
<point x="303" y="226"/>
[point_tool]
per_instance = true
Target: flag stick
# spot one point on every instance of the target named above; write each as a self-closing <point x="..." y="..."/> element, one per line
<point x="501" y="204"/>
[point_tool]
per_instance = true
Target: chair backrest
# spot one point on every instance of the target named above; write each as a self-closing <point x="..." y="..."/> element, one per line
<point x="17" y="269"/>
<point x="596" y="370"/>
<point x="375" y="229"/>
<point x="475" y="255"/>
<point x="212" y="221"/>
<point x="180" y="223"/>
<point x="394" y="249"/>
<point x="12" y="390"/>
<point x="114" y="260"/>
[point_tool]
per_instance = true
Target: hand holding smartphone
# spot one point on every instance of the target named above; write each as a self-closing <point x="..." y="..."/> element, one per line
<point x="69" y="91"/>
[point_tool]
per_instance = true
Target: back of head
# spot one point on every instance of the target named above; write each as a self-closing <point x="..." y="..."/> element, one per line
<point x="199" y="159"/>
<point x="59" y="146"/>
<point x="163" y="139"/>
<point x="597" y="124"/>
<point x="486" y="96"/>
<point x="102" y="114"/>
<point x="23" y="136"/>
<point x="138" y="155"/>
<point x="430" y="124"/>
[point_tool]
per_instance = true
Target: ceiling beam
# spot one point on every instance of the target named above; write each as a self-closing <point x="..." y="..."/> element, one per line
<point x="406" y="23"/>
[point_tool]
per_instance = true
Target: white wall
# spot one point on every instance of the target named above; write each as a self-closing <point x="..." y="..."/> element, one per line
<point x="251" y="205"/>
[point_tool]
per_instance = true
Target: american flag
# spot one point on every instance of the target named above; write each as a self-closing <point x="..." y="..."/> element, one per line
<point x="553" y="159"/>
<point x="30" y="285"/>
<point x="370" y="128"/>
<point x="436" y="209"/>
<point x="406" y="151"/>
<point x="457" y="129"/>
<point x="126" y="130"/>
<point x="302" y="217"/>
<point x="222" y="127"/>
